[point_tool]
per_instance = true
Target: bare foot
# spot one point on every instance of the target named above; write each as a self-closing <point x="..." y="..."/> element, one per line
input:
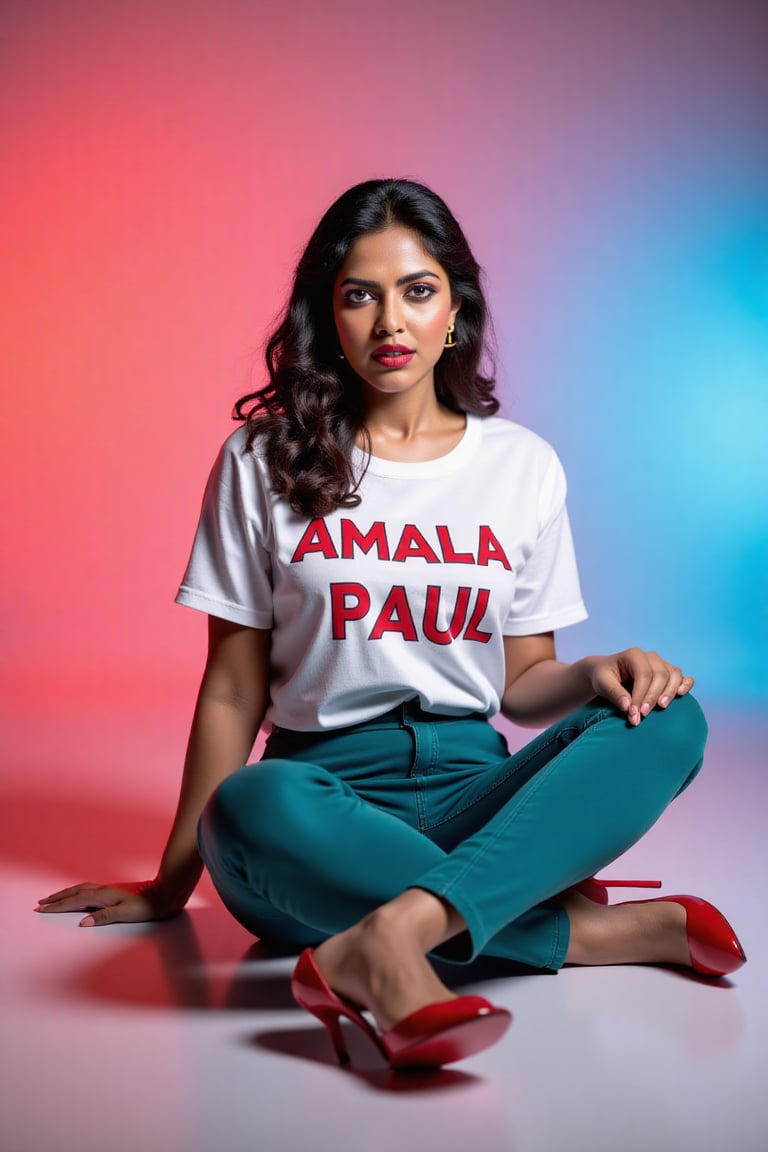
<point x="378" y="964"/>
<point x="653" y="932"/>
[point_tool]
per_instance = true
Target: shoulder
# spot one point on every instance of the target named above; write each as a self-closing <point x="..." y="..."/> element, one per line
<point x="239" y="469"/>
<point x="508" y="437"/>
<point x="235" y="456"/>
<point x="235" y="447"/>
<point x="523" y="462"/>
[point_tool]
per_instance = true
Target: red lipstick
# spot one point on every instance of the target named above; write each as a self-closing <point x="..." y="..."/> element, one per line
<point x="392" y="355"/>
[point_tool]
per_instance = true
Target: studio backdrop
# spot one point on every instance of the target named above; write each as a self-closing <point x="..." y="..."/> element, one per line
<point x="162" y="162"/>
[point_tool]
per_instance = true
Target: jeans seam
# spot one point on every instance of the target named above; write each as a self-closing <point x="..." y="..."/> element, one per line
<point x="418" y="795"/>
<point x="555" y="941"/>
<point x="497" y="783"/>
<point x="484" y="848"/>
<point x="435" y="747"/>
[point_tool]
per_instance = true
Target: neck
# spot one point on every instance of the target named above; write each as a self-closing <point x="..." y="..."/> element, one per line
<point x="403" y="417"/>
<point x="411" y="428"/>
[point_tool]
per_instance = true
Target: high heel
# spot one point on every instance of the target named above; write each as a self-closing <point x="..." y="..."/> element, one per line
<point x="437" y="1034"/>
<point x="713" y="946"/>
<point x="597" y="890"/>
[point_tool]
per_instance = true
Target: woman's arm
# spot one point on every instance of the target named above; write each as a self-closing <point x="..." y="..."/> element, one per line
<point x="540" y="689"/>
<point x="230" y="709"/>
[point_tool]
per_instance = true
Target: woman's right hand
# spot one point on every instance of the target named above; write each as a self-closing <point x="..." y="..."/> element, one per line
<point x="116" y="903"/>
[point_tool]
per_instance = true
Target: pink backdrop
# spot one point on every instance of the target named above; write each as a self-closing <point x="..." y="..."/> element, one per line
<point x="162" y="164"/>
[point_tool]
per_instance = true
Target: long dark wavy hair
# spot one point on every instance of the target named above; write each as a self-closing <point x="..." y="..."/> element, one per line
<point x="310" y="415"/>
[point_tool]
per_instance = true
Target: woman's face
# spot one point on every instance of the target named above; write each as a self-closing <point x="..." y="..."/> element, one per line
<point x="392" y="306"/>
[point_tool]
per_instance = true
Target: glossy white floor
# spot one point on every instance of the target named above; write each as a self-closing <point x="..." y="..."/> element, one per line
<point x="183" y="1037"/>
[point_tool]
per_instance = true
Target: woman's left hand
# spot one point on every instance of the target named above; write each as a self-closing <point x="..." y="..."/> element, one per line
<point x="637" y="681"/>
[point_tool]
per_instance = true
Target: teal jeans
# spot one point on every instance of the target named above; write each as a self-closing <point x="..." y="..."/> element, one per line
<point x="329" y="825"/>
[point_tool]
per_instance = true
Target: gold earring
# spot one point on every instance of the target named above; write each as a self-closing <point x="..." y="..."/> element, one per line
<point x="449" y="340"/>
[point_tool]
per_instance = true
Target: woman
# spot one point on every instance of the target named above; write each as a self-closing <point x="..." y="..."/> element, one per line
<point x="383" y="562"/>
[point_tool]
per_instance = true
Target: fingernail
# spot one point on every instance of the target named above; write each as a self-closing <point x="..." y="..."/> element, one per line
<point x="88" y="922"/>
<point x="645" y="709"/>
<point x="664" y="701"/>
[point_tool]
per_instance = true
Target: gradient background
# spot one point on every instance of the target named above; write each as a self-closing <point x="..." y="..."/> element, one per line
<point x="162" y="164"/>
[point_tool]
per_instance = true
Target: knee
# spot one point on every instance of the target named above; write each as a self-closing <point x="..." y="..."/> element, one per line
<point x="679" y="734"/>
<point x="685" y="724"/>
<point x="251" y="808"/>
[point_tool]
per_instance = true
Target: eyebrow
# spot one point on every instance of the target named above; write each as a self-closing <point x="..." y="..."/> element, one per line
<point x="398" y="283"/>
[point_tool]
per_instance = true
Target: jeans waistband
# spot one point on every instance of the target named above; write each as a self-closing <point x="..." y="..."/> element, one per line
<point x="397" y="717"/>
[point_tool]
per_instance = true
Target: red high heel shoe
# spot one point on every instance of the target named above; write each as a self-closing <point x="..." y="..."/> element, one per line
<point x="435" y="1035"/>
<point x="713" y="946"/>
<point x="597" y="890"/>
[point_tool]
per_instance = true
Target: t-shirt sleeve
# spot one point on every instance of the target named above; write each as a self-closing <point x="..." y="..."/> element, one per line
<point x="229" y="573"/>
<point x="547" y="593"/>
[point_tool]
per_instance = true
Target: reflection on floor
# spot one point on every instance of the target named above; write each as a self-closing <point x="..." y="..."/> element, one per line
<point x="183" y="1037"/>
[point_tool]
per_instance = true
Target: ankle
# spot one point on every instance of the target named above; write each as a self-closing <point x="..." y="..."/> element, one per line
<point x="416" y="918"/>
<point x="629" y="933"/>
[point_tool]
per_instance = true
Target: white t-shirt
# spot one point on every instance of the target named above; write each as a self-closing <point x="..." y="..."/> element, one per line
<point x="407" y="595"/>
